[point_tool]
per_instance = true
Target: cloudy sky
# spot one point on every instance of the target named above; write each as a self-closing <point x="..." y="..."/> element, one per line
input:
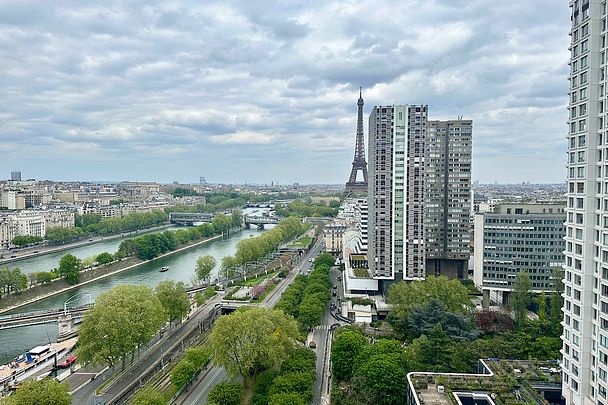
<point x="260" y="91"/>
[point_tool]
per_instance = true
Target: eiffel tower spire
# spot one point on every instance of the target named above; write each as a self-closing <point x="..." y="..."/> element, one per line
<point x="359" y="163"/>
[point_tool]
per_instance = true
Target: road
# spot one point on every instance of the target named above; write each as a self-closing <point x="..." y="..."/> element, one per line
<point x="86" y="395"/>
<point x="322" y="339"/>
<point x="197" y="394"/>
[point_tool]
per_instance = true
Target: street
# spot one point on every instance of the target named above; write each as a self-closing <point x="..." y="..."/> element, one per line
<point x="197" y="394"/>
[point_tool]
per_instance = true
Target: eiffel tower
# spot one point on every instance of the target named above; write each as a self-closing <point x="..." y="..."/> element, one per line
<point x="359" y="163"/>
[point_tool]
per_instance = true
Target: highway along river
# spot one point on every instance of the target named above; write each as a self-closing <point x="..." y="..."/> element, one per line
<point x="181" y="268"/>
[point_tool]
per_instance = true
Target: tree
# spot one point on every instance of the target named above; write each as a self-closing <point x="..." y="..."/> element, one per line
<point x="521" y="296"/>
<point x="174" y="299"/>
<point x="236" y="219"/>
<point x="431" y="352"/>
<point x="182" y="373"/>
<point x="228" y="263"/>
<point x="225" y="394"/>
<point x="253" y="339"/>
<point x="123" y="319"/>
<point x="542" y="306"/>
<point x="406" y="295"/>
<point x="24" y="240"/>
<point x="204" y="266"/>
<point x="69" y="268"/>
<point x="104" y="258"/>
<point x="326" y="259"/>
<point x="148" y="396"/>
<point x="557" y="301"/>
<point x="288" y="398"/>
<point x="44" y="277"/>
<point x="346" y="347"/>
<point x="491" y="321"/>
<point x="423" y="318"/>
<point x="379" y="380"/>
<point x="300" y="382"/>
<point x="44" y="392"/>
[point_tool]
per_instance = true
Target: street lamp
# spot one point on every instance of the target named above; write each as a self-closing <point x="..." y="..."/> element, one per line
<point x="73" y="298"/>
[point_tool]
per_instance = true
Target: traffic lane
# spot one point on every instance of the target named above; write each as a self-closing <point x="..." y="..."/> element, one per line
<point x="204" y="385"/>
<point x="200" y="392"/>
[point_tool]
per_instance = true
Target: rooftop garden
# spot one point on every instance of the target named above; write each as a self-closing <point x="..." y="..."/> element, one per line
<point x="362" y="273"/>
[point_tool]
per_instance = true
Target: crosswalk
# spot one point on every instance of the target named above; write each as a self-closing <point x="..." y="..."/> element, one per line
<point x="322" y="327"/>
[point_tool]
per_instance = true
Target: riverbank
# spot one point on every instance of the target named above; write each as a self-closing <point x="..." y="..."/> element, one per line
<point x="44" y="250"/>
<point x="90" y="276"/>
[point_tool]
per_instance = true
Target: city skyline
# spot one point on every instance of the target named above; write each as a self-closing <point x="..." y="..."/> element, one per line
<point x="234" y="94"/>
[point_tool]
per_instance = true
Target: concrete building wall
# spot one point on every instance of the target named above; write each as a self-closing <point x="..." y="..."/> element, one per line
<point x="506" y="244"/>
<point x="447" y="201"/>
<point x="396" y="191"/>
<point x="585" y="335"/>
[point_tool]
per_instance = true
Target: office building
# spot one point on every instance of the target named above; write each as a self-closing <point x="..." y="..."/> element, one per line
<point x="585" y="334"/>
<point x="515" y="238"/>
<point x="396" y="192"/>
<point x="447" y="203"/>
<point x="15" y="176"/>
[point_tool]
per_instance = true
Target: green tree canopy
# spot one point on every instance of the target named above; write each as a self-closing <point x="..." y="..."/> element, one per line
<point x="104" y="258"/>
<point x="174" y="299"/>
<point x="347" y="345"/>
<point x="69" y="268"/>
<point x="456" y="326"/>
<point x="253" y="339"/>
<point x="182" y="373"/>
<point x="521" y="296"/>
<point x="326" y="259"/>
<point x="404" y="296"/>
<point x="204" y="266"/>
<point x="225" y="394"/>
<point x="123" y="319"/>
<point x="45" y="392"/>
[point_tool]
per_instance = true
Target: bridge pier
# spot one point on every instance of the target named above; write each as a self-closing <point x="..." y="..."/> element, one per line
<point x="260" y="226"/>
<point x="66" y="326"/>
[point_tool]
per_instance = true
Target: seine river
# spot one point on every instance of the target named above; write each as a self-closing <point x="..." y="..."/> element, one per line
<point x="181" y="268"/>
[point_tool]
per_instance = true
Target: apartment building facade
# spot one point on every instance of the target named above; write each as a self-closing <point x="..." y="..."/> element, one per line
<point x="447" y="203"/>
<point x="585" y="334"/>
<point x="396" y="245"/>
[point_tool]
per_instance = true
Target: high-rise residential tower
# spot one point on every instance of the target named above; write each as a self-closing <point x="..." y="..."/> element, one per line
<point x="585" y="334"/>
<point x="447" y="202"/>
<point x="396" y="192"/>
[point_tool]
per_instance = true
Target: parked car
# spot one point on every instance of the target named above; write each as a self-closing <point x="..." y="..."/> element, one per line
<point x="334" y="294"/>
<point x="68" y="362"/>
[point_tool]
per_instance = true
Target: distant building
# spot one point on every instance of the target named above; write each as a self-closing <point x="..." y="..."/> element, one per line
<point x="516" y="238"/>
<point x="333" y="235"/>
<point x="447" y="202"/>
<point x="7" y="231"/>
<point x="30" y="223"/>
<point x="16" y="176"/>
<point x="12" y="200"/>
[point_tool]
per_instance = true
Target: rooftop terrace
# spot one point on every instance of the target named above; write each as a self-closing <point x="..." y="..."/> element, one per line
<point x="498" y="382"/>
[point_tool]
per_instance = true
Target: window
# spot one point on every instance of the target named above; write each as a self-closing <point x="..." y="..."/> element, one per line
<point x="582" y="109"/>
<point x="574" y="66"/>
<point x="581" y="157"/>
<point x="583" y="78"/>
<point x="584" y="62"/>
<point x="583" y="93"/>
<point x="585" y="30"/>
<point x="582" y="125"/>
<point x="585" y="46"/>
<point x="581" y="141"/>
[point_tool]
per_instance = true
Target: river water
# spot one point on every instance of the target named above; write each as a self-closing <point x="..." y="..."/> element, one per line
<point x="181" y="268"/>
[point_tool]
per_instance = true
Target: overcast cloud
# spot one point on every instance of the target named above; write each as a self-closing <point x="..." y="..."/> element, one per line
<point x="262" y="91"/>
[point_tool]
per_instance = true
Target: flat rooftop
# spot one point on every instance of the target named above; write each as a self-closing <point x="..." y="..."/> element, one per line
<point x="505" y="381"/>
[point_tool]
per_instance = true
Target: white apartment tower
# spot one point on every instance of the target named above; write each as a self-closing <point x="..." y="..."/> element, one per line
<point x="396" y="192"/>
<point x="585" y="334"/>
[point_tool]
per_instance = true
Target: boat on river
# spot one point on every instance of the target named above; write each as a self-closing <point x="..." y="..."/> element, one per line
<point x="163" y="269"/>
<point x="32" y="362"/>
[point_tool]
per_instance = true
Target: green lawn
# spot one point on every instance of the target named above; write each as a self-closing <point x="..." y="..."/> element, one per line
<point x="252" y="282"/>
<point x="363" y="273"/>
<point x="302" y="242"/>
